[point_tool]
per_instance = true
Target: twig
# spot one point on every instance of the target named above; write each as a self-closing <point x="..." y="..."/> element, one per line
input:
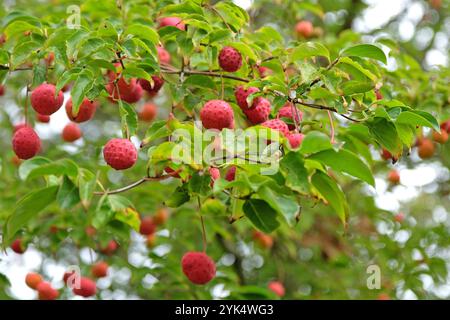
<point x="332" y="126"/>
<point x="137" y="183"/>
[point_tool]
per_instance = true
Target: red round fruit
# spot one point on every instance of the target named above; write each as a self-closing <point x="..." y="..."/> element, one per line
<point x="295" y="139"/>
<point x="241" y="95"/>
<point x="217" y="114"/>
<point x="440" y="137"/>
<point x="231" y="174"/>
<point x="304" y="29"/>
<point x="158" y="82"/>
<point x="198" y="267"/>
<point x="163" y="55"/>
<point x="2" y="90"/>
<point x="71" y="132"/>
<point x="230" y="59"/>
<point x="215" y="174"/>
<point x="277" y="124"/>
<point x="263" y="240"/>
<point x="385" y="154"/>
<point x="394" y="177"/>
<point x="426" y="148"/>
<point x="378" y="95"/>
<point x="172" y="21"/>
<point x="129" y="92"/>
<point x="259" y="112"/>
<point x="17" y="246"/>
<point x="33" y="279"/>
<point x="161" y="216"/>
<point x="446" y="126"/>
<point x="26" y="143"/>
<point x="264" y="71"/>
<point x="43" y="99"/>
<point x="42" y="118"/>
<point x="148" y="112"/>
<point x="277" y="287"/>
<point x="289" y="111"/>
<point x="100" y="269"/>
<point x="120" y="154"/>
<point x="148" y="226"/>
<point x="399" y="217"/>
<point x="85" y="112"/>
<point x="110" y="248"/>
<point x="46" y="291"/>
<point x="87" y="288"/>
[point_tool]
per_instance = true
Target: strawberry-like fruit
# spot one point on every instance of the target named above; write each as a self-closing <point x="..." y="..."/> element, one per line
<point x="231" y="174"/>
<point x="152" y="89"/>
<point x="148" y="226"/>
<point x="163" y="55"/>
<point x="295" y="139"/>
<point x="26" y="143"/>
<point x="277" y="288"/>
<point x="85" y="112"/>
<point x="100" y="269"/>
<point x="87" y="288"/>
<point x="130" y="92"/>
<point x="259" y="112"/>
<point x="71" y="132"/>
<point x="241" y="95"/>
<point x="120" y="154"/>
<point x="32" y="280"/>
<point x="172" y="21"/>
<point x="217" y="114"/>
<point x="277" y="124"/>
<point x="17" y="246"/>
<point x="2" y="90"/>
<point x="43" y="99"/>
<point x="230" y="59"/>
<point x="46" y="291"/>
<point x="304" y="29"/>
<point x="198" y="267"/>
<point x="148" y="112"/>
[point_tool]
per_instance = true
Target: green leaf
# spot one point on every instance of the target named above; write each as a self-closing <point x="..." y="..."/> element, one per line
<point x="330" y="191"/>
<point x="280" y="199"/>
<point x="68" y="194"/>
<point x="309" y="49"/>
<point x="143" y="32"/>
<point x="200" y="81"/>
<point x="365" y="51"/>
<point x="385" y="133"/>
<point x="261" y="214"/>
<point x="42" y="167"/>
<point x="199" y="184"/>
<point x="295" y="173"/>
<point x="418" y="118"/>
<point x="157" y="130"/>
<point x="345" y="161"/>
<point x="130" y="217"/>
<point x="86" y="184"/>
<point x="27" y="208"/>
<point x="83" y="83"/>
<point x="178" y="197"/>
<point x="29" y="165"/>
<point x="315" y="141"/>
<point x="39" y="74"/>
<point x="213" y="207"/>
<point x="354" y="86"/>
<point x="129" y="119"/>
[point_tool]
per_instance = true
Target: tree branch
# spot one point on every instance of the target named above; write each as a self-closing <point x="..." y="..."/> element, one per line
<point x="137" y="183"/>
